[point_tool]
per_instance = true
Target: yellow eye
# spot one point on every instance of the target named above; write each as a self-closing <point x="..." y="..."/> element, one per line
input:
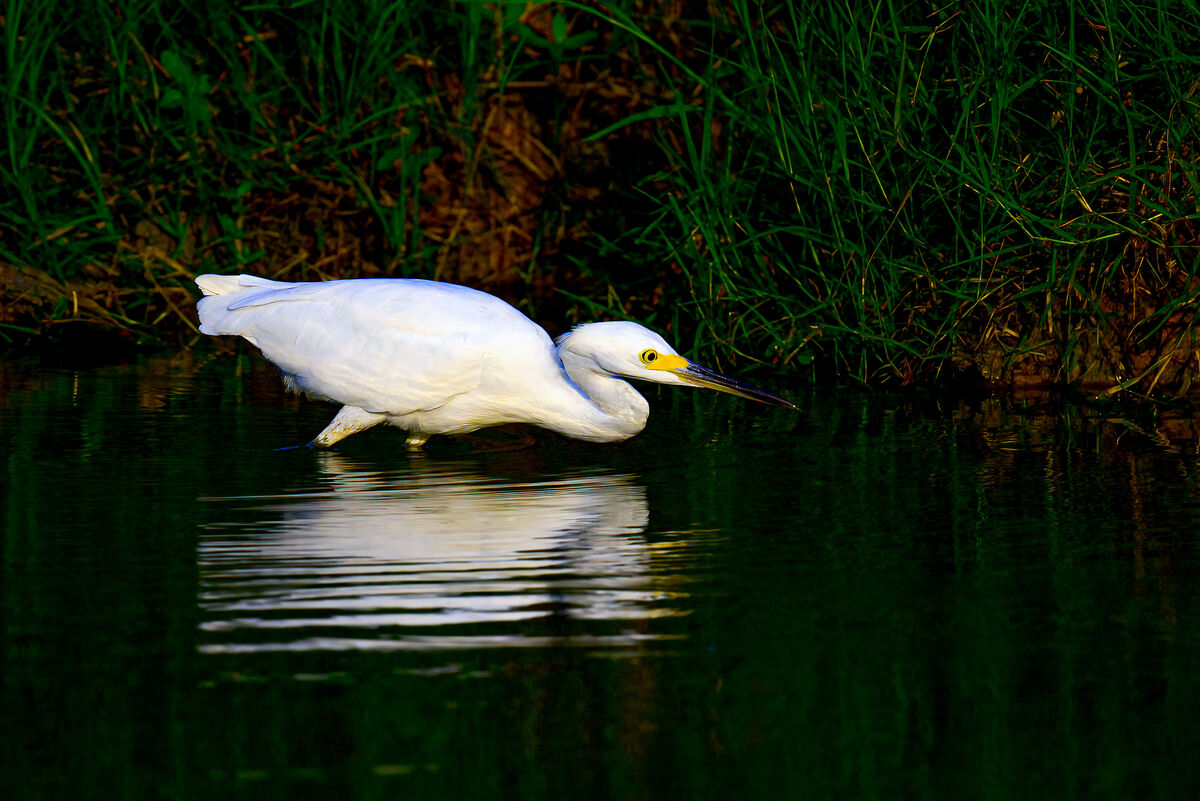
<point x="649" y="355"/>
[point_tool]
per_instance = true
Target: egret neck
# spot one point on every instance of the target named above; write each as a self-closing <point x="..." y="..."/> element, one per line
<point x="623" y="411"/>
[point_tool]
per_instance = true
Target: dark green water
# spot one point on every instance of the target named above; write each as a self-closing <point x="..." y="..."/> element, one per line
<point x="870" y="599"/>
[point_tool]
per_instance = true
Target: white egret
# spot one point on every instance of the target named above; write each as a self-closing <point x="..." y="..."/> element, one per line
<point x="437" y="358"/>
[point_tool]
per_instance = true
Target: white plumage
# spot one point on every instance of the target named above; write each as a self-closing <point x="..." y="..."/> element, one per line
<point x="437" y="358"/>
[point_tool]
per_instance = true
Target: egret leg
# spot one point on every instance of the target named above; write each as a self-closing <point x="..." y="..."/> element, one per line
<point x="416" y="442"/>
<point x="350" y="420"/>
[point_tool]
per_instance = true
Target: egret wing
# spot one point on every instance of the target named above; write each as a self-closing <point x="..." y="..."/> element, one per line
<point x="386" y="346"/>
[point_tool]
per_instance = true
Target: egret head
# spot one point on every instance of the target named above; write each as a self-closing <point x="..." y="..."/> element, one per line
<point x="631" y="351"/>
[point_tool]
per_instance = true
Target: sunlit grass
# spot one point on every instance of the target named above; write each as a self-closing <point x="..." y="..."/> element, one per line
<point x="878" y="191"/>
<point x="1007" y="190"/>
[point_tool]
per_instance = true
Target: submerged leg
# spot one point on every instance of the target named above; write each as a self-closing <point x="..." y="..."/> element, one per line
<point x="350" y="420"/>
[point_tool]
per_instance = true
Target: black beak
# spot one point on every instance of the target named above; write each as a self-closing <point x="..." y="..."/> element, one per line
<point x="703" y="377"/>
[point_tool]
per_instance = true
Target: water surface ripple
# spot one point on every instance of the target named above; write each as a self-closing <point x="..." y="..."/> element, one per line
<point x="432" y="558"/>
<point x="884" y="596"/>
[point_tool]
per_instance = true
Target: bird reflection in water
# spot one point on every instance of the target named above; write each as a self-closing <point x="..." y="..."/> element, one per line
<point x="430" y="557"/>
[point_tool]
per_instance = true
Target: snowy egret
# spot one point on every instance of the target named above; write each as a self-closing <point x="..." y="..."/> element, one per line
<point x="437" y="358"/>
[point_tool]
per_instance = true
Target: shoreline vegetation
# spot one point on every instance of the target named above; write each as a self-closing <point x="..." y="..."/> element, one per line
<point x="1003" y="195"/>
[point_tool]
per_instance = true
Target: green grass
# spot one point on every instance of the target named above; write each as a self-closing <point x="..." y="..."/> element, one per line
<point x="881" y="191"/>
<point x="1009" y="189"/>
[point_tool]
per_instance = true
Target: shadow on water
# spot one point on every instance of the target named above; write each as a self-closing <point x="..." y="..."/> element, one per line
<point x="877" y="598"/>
